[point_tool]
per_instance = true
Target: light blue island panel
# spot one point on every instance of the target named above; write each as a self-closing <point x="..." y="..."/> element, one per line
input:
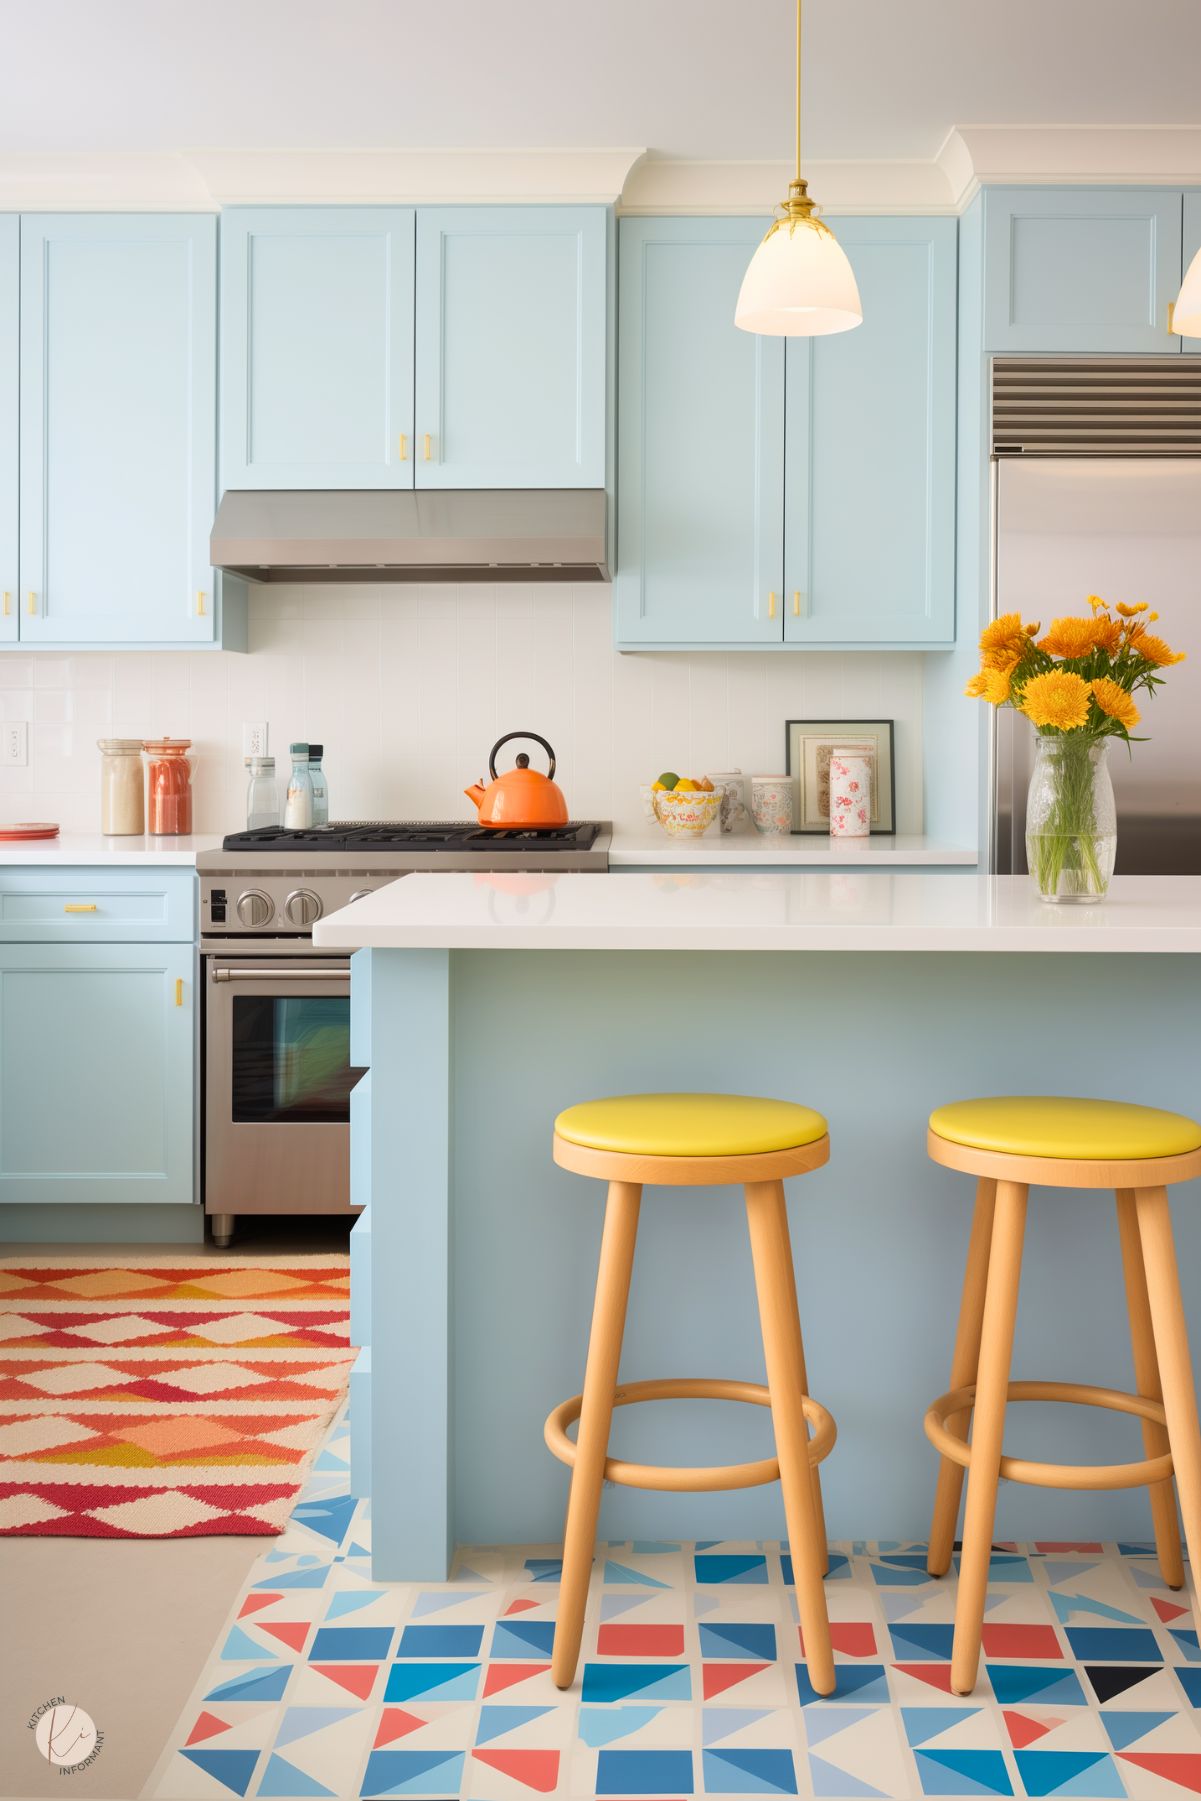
<point x="484" y="1252"/>
<point x="118" y="428"/>
<point x="511" y="341"/>
<point x="317" y="347"/>
<point x="10" y="316"/>
<point x="1081" y="270"/>
<point x="96" y="1072"/>
<point x="870" y="457"/>
<point x="700" y="467"/>
<point x="409" y="1127"/>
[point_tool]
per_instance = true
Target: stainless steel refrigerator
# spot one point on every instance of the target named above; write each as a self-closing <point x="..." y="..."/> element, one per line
<point x="1127" y="528"/>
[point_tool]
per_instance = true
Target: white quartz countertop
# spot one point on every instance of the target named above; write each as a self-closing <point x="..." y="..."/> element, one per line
<point x="852" y="910"/>
<point x="748" y="850"/>
<point x="72" y="848"/>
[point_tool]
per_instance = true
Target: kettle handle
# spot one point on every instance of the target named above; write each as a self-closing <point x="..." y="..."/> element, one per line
<point x="533" y="739"/>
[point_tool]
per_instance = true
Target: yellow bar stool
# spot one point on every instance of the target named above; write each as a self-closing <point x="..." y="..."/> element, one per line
<point x="1008" y="1143"/>
<point x="690" y="1140"/>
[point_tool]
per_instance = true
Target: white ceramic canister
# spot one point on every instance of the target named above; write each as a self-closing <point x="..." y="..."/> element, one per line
<point x="850" y="794"/>
<point x="771" y="805"/>
<point x="122" y="787"/>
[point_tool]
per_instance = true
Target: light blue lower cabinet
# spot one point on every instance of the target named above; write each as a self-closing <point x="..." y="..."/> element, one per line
<point x="97" y="1066"/>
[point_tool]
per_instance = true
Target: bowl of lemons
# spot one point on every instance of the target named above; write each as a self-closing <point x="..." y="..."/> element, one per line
<point x="683" y="805"/>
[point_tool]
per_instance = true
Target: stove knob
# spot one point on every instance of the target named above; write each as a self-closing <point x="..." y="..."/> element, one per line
<point x="302" y="907"/>
<point x="359" y="894"/>
<point x="254" y="907"/>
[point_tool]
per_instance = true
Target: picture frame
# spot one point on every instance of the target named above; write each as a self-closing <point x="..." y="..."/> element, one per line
<point x="807" y="747"/>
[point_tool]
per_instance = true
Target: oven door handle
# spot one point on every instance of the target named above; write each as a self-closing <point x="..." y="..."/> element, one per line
<point x="220" y="972"/>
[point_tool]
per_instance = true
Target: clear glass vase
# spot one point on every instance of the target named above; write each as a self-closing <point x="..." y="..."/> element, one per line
<point x="1071" y="820"/>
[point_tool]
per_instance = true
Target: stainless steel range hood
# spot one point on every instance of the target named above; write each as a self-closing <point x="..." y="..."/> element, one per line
<point x="492" y="535"/>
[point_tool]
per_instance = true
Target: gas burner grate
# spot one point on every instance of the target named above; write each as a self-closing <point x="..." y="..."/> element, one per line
<point x="411" y="835"/>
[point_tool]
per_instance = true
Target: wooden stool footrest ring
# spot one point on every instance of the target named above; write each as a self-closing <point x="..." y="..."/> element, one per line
<point x="677" y="1480"/>
<point x="1054" y="1475"/>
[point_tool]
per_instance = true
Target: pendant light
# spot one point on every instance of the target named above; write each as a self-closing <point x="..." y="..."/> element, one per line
<point x="1186" y="314"/>
<point x="799" y="283"/>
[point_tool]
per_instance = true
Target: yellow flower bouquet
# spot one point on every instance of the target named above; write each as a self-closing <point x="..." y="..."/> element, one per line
<point x="1076" y="684"/>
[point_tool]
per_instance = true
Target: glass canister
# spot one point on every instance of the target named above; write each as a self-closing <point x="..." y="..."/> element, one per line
<point x="168" y="786"/>
<point x="262" y="796"/>
<point x="298" y="807"/>
<point x="122" y="787"/>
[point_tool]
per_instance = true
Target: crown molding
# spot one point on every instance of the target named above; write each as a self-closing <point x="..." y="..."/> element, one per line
<point x="661" y="185"/>
<point x="206" y="180"/>
<point x="969" y="157"/>
<point x="975" y="156"/>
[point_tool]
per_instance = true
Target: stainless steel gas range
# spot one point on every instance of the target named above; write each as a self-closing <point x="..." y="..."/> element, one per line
<point x="277" y="1070"/>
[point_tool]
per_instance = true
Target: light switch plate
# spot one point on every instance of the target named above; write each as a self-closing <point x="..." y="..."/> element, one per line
<point x="14" y="743"/>
<point x="254" y="740"/>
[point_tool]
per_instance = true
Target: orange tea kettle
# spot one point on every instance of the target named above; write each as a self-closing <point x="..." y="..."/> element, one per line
<point x="521" y="800"/>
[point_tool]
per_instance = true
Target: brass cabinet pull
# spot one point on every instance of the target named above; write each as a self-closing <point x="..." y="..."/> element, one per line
<point x="8" y="603"/>
<point x="1171" y="315"/>
<point x="404" y="446"/>
<point x="797" y="603"/>
<point x="80" y="907"/>
<point x="428" y="451"/>
<point x="32" y="603"/>
<point x="200" y="599"/>
<point x="179" y="991"/>
<point x="771" y="604"/>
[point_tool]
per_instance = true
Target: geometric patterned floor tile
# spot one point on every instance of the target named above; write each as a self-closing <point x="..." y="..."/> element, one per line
<point x="692" y="1679"/>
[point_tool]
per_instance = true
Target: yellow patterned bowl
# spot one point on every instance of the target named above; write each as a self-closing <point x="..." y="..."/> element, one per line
<point x="687" y="812"/>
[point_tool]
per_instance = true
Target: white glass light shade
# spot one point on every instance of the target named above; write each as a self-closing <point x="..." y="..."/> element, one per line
<point x="1186" y="318"/>
<point x="799" y="284"/>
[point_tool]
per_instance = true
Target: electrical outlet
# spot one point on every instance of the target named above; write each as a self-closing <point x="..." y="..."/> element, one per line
<point x="14" y="743"/>
<point x="254" y="740"/>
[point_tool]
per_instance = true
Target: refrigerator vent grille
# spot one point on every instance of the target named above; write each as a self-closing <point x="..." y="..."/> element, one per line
<point x="1096" y="406"/>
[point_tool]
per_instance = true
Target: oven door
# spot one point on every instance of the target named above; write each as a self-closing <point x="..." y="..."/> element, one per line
<point x="277" y="1084"/>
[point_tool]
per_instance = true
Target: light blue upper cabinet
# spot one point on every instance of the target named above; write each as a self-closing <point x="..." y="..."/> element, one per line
<point x="118" y="428"/>
<point x="317" y="347"/>
<point x="510" y="347"/>
<point x="10" y="315"/>
<point x="700" y="465"/>
<point x="870" y="452"/>
<point x="1089" y="271"/>
<point x="1192" y="244"/>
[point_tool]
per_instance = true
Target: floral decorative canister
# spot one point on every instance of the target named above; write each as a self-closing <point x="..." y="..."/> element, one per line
<point x="771" y="805"/>
<point x="850" y="794"/>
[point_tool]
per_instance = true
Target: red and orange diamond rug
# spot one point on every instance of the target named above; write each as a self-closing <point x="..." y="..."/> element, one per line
<point x="146" y="1397"/>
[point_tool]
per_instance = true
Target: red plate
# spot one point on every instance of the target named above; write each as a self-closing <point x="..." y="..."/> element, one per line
<point x="29" y="828"/>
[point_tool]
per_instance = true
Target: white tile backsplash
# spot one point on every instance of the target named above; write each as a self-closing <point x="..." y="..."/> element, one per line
<point x="408" y="688"/>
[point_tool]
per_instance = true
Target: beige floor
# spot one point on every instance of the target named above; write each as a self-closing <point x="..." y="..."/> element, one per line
<point x="121" y="1627"/>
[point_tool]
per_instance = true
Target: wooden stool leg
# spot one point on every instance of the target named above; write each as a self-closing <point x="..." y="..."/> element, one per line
<point x="1175" y="1365"/>
<point x="775" y="1283"/>
<point x="964" y="1361"/>
<point x="814" y="1468"/>
<point x="592" y="1442"/>
<point x="992" y="1382"/>
<point x="1146" y="1381"/>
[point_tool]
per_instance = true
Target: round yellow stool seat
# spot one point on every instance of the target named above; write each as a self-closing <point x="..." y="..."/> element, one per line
<point x="1057" y="1126"/>
<point x="689" y="1125"/>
